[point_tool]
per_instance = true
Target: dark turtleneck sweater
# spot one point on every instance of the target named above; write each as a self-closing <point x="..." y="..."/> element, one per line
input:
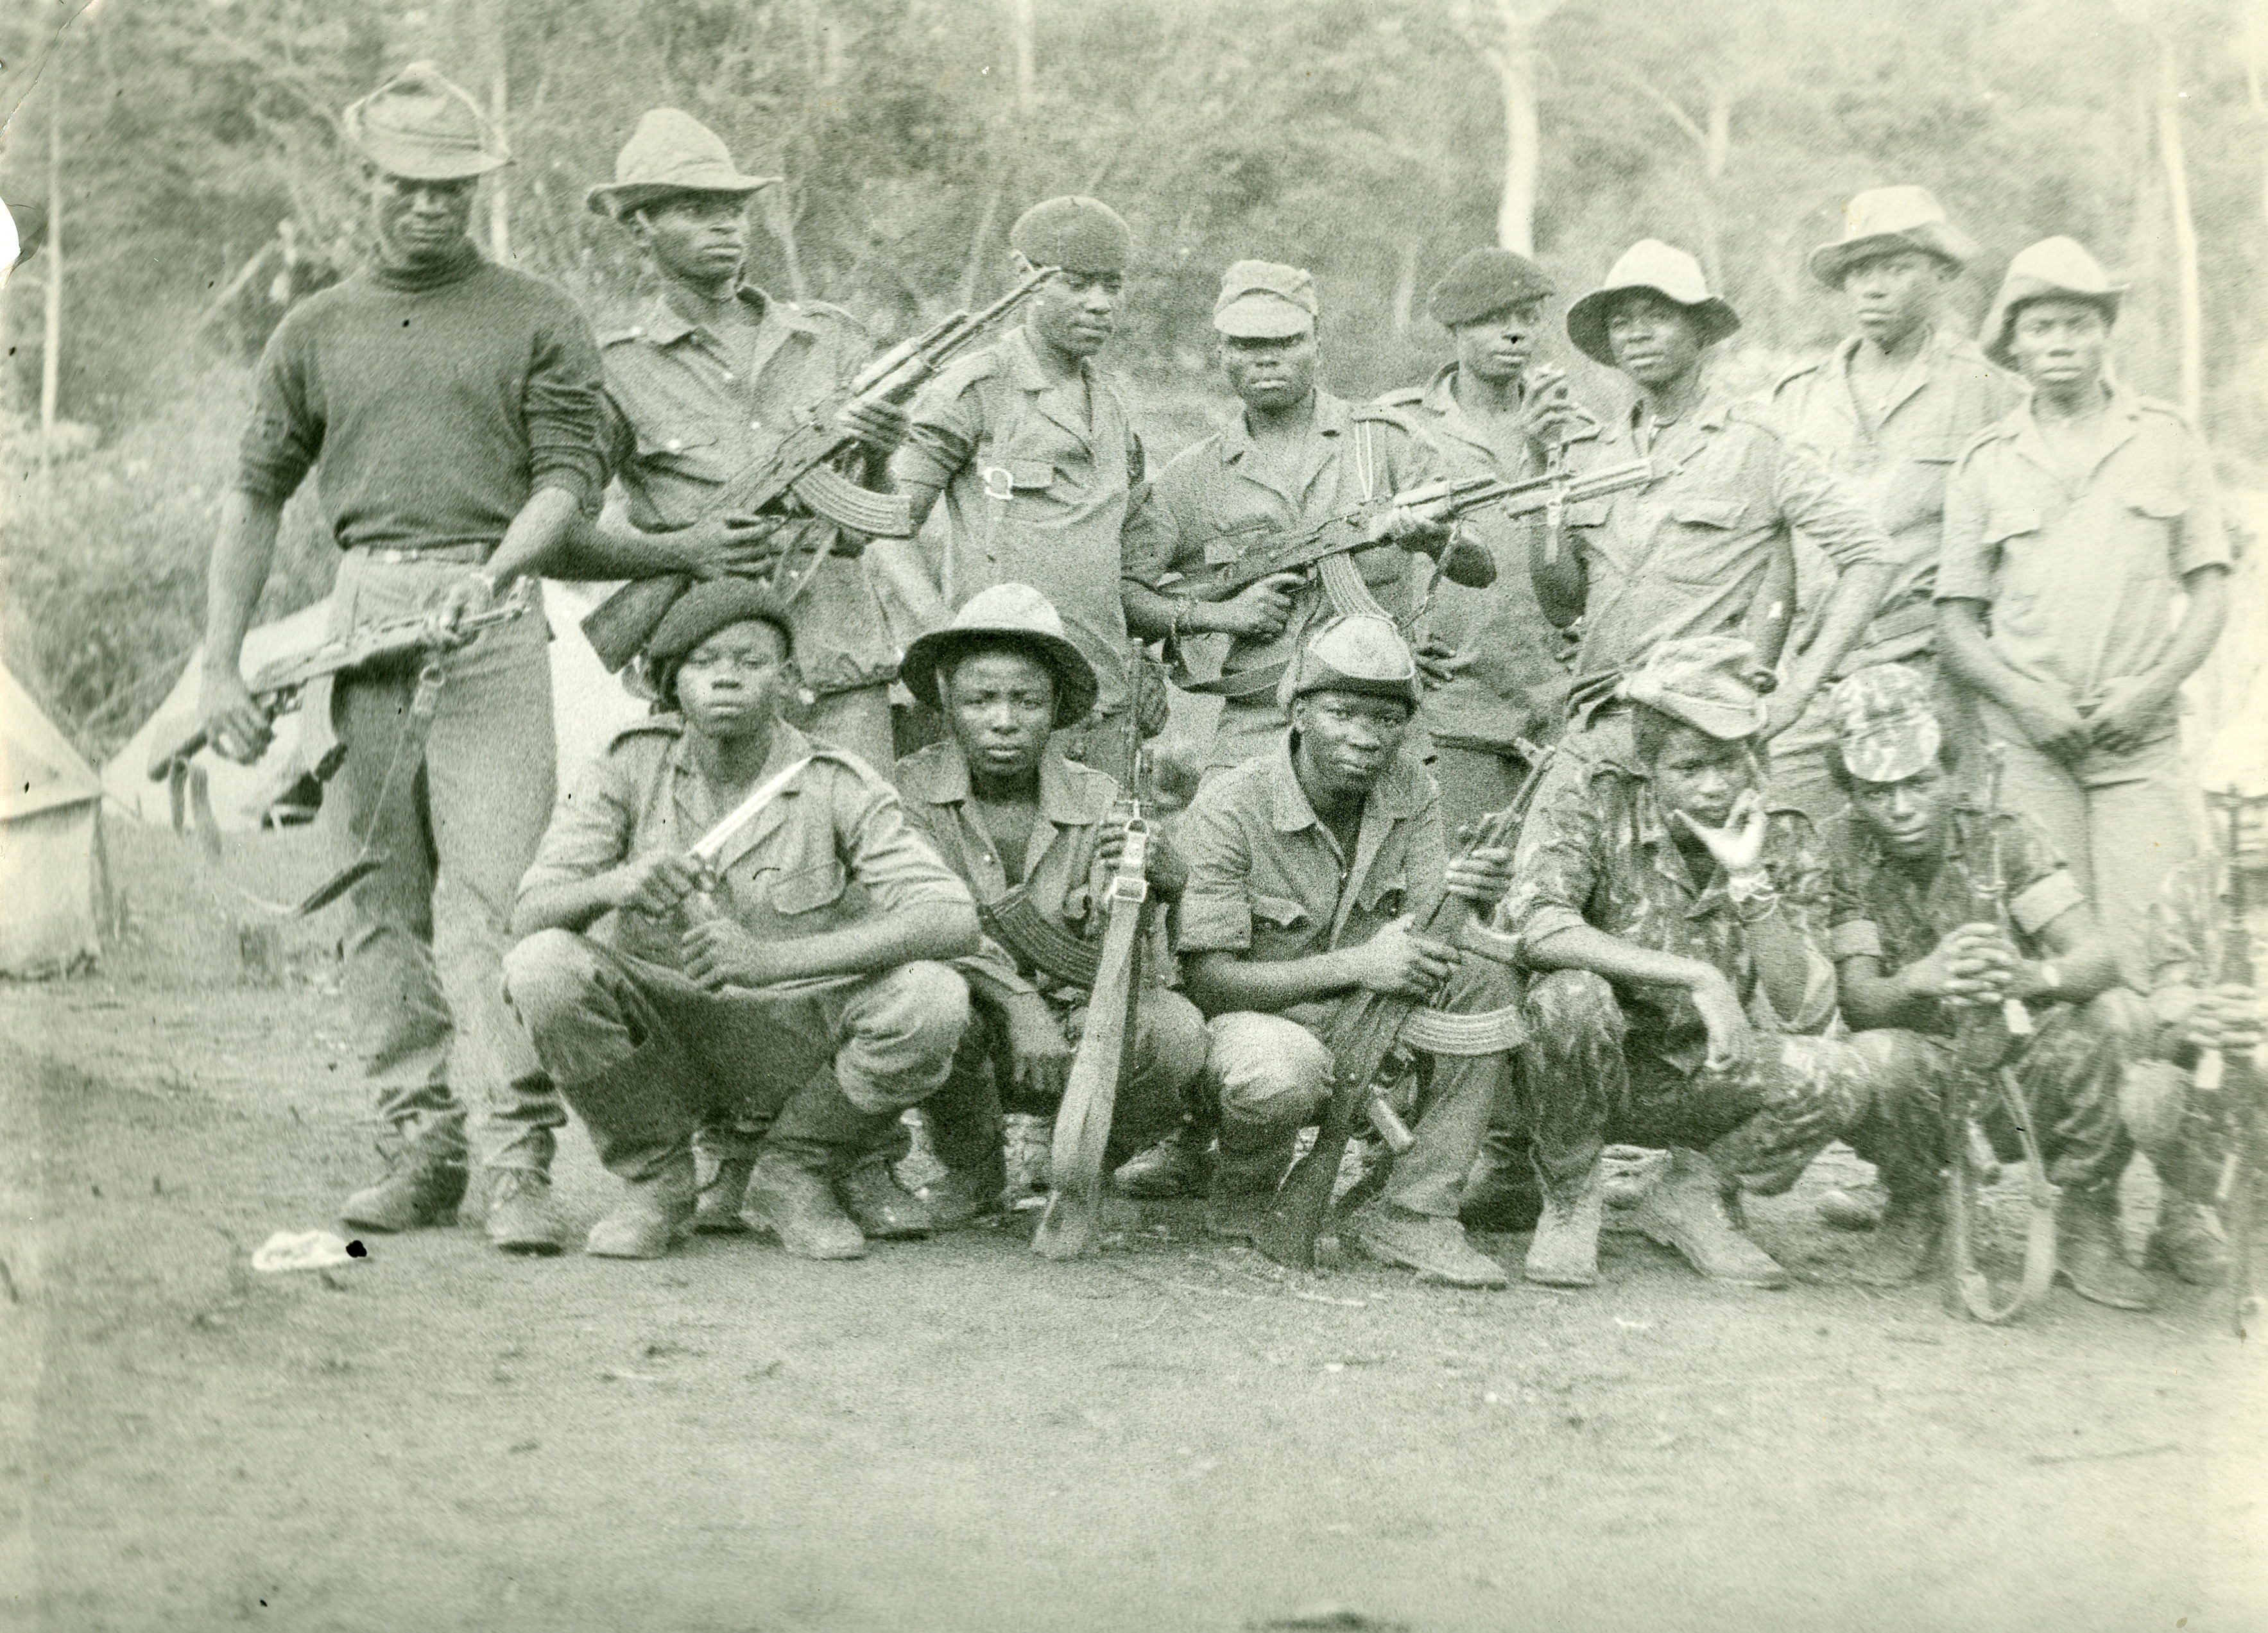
<point x="434" y="403"/>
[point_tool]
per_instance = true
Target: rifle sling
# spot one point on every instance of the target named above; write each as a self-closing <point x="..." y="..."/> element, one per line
<point x="1036" y="938"/>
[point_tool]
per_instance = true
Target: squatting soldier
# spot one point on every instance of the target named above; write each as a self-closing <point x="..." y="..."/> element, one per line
<point x="1034" y="836"/>
<point x="1309" y="868"/>
<point x="1294" y="456"/>
<point x="1905" y="860"/>
<point x="1676" y="924"/>
<point x="1495" y="411"/>
<point x="1692" y="553"/>
<point x="805" y="986"/>
<point x="706" y="385"/>
<point x="450" y="408"/>
<point x="2072" y="528"/>
<point x="1888" y="410"/>
<point x="2177" y="1128"/>
<point x="1029" y="444"/>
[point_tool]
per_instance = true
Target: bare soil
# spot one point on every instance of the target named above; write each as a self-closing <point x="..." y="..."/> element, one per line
<point x="958" y="1434"/>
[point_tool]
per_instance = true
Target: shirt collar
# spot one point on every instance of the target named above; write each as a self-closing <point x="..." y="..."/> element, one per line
<point x="1333" y="417"/>
<point x="1069" y="798"/>
<point x="666" y="325"/>
<point x="1397" y="795"/>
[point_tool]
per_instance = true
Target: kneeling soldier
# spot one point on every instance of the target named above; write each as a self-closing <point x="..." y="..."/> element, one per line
<point x="1906" y="862"/>
<point x="1307" y="868"/>
<point x="1034" y="836"/>
<point x="813" y="993"/>
<point x="1676" y="924"/>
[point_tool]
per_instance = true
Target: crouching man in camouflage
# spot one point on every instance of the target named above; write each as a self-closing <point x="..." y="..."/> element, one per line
<point x="1307" y="868"/>
<point x="1907" y="859"/>
<point x="1676" y="925"/>
<point x="804" y="986"/>
<point x="1034" y="836"/>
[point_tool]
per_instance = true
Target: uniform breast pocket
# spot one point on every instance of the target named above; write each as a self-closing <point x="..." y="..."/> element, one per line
<point x="1281" y="927"/>
<point x="1717" y="515"/>
<point x="807" y="890"/>
<point x="1385" y="892"/>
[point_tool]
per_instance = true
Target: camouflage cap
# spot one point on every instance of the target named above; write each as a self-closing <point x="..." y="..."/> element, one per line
<point x="1006" y="614"/>
<point x="1712" y="682"/>
<point x="710" y="606"/>
<point x="1361" y="653"/>
<point x="1486" y="281"/>
<point x="421" y="126"/>
<point x="1264" y="300"/>
<point x="1079" y="234"/>
<point x="1884" y="724"/>
<point x="670" y="151"/>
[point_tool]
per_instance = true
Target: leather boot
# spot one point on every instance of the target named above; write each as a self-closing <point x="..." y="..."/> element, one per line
<point x="883" y="1210"/>
<point x="654" y="1215"/>
<point x="1905" y="1243"/>
<point x="964" y="1134"/>
<point x="718" y="1211"/>
<point x="425" y="1181"/>
<point x="816" y="1138"/>
<point x="1180" y="1164"/>
<point x="522" y="1218"/>
<point x="1565" y="1251"/>
<point x="2189" y="1242"/>
<point x="1251" y="1164"/>
<point x="1687" y="1211"/>
<point x="2088" y="1258"/>
<point x="1436" y="1248"/>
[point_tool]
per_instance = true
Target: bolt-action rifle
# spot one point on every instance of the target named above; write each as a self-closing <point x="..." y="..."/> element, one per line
<point x="1985" y="1035"/>
<point x="2233" y="1080"/>
<point x="801" y="468"/>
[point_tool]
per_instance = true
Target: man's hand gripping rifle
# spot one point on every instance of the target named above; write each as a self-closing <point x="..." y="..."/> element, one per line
<point x="799" y="476"/>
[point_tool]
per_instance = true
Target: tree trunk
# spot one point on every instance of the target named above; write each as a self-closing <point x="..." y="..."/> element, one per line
<point x="1023" y="53"/>
<point x="51" y="358"/>
<point x="2185" y="240"/>
<point x="1514" y="60"/>
<point x="499" y="190"/>
<point x="1405" y="289"/>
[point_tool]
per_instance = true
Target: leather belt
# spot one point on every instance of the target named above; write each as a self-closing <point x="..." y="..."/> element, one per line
<point x="474" y="555"/>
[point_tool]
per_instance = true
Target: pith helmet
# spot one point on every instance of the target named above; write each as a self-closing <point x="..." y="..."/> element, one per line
<point x="1006" y="614"/>
<point x="2057" y="266"/>
<point x="670" y="151"/>
<point x="1483" y="281"/>
<point x="1265" y="299"/>
<point x="1884" y="220"/>
<point x="1079" y="234"/>
<point x="1359" y="652"/>
<point x="1668" y="271"/>
<point x="420" y="125"/>
<point x="1884" y="724"/>
<point x="1708" y="681"/>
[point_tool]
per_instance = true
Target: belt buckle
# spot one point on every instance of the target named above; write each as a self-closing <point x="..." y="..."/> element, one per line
<point x="1004" y="477"/>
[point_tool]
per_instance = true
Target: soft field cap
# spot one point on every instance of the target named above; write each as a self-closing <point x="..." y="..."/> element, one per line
<point x="1361" y="653"/>
<point x="1264" y="300"/>
<point x="670" y="151"/>
<point x="1884" y="724"/>
<point x="421" y="126"/>
<point x="1707" y="680"/>
<point x="1649" y="264"/>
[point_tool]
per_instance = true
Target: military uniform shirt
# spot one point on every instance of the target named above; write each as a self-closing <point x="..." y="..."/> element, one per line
<point x="2081" y="581"/>
<point x="1684" y="554"/>
<point x="1513" y="684"/>
<point x="683" y="419"/>
<point x="1878" y="911"/>
<point x="1598" y="852"/>
<point x="833" y="849"/>
<point x="1895" y="468"/>
<point x="1035" y="494"/>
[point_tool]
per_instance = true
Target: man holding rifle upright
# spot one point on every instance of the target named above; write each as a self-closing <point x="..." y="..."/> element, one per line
<point x="449" y="407"/>
<point x="725" y="917"/>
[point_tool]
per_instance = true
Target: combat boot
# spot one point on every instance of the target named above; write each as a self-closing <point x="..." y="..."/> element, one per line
<point x="1435" y="1248"/>
<point x="883" y="1210"/>
<point x="964" y="1136"/>
<point x="2088" y="1258"/>
<point x="817" y="1136"/>
<point x="1565" y="1251"/>
<point x="1180" y="1164"/>
<point x="2189" y="1242"/>
<point x="654" y="1215"/>
<point x="1905" y="1243"/>
<point x="1500" y="1191"/>
<point x="1245" y="1176"/>
<point x="522" y="1218"/>
<point x="1688" y="1210"/>
<point x="718" y="1211"/>
<point x="425" y="1181"/>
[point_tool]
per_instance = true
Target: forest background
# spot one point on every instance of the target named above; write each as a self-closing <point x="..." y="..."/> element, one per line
<point x="181" y="161"/>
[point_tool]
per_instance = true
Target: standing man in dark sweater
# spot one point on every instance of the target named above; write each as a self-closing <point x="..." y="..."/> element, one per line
<point x="451" y="408"/>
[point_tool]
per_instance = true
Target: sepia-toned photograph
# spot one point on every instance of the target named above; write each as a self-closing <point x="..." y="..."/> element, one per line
<point x="1145" y="816"/>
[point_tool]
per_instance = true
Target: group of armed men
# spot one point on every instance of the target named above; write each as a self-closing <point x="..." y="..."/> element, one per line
<point x="1742" y="708"/>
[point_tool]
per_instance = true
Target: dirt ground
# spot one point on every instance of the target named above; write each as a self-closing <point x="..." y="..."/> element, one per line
<point x="958" y="1434"/>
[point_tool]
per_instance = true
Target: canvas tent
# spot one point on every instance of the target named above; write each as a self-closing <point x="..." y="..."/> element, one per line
<point x="49" y="805"/>
<point x="588" y="707"/>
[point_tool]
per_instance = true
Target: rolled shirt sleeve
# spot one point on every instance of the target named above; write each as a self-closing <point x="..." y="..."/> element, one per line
<point x="1215" y="912"/>
<point x="284" y="436"/>
<point x="562" y="408"/>
<point x="1964" y="564"/>
<point x="946" y="427"/>
<point x="883" y="850"/>
<point x="2202" y="538"/>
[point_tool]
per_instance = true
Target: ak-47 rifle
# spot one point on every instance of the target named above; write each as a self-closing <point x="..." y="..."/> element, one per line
<point x="801" y="465"/>
<point x="1984" y="1035"/>
<point x="2234" y="1079"/>
<point x="1098" y="1071"/>
<point x="1327" y="549"/>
